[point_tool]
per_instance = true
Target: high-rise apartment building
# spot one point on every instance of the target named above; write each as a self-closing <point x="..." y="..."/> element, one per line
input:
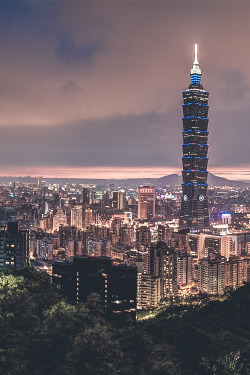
<point x="146" y="203"/>
<point x="184" y="265"/>
<point x="148" y="291"/>
<point x="164" y="233"/>
<point x="211" y="275"/>
<point x="14" y="246"/>
<point x="76" y="217"/>
<point x="88" y="213"/>
<point x="143" y="237"/>
<point x="235" y="272"/>
<point x="194" y="207"/>
<point x="162" y="263"/>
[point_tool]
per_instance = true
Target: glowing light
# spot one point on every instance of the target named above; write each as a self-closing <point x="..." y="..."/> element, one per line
<point x="195" y="54"/>
<point x="195" y="71"/>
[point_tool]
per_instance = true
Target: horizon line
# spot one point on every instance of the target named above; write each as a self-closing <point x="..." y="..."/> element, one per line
<point x="116" y="172"/>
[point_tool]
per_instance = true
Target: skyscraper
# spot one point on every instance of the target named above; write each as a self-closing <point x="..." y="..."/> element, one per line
<point x="194" y="207"/>
<point x="146" y="202"/>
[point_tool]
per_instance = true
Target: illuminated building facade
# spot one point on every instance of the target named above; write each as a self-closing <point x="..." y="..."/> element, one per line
<point x="211" y="275"/>
<point x="148" y="291"/>
<point x="76" y="217"/>
<point x="146" y="202"/>
<point x="184" y="264"/>
<point x="162" y="263"/>
<point x="194" y="207"/>
<point x="60" y="218"/>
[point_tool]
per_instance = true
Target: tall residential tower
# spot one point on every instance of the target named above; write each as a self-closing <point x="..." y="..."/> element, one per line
<point x="194" y="207"/>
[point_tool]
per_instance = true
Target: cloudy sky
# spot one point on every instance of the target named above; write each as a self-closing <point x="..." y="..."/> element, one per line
<point x="93" y="89"/>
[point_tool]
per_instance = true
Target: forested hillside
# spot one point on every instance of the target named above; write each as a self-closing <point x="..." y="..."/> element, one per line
<point x="42" y="334"/>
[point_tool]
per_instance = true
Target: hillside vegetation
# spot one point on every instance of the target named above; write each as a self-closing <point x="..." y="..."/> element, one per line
<point x="40" y="334"/>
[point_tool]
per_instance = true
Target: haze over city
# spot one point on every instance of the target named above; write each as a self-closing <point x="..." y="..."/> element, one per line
<point x="93" y="89"/>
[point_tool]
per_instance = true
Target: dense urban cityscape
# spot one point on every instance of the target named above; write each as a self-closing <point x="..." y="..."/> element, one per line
<point x="135" y="246"/>
<point x="50" y="226"/>
<point x="103" y="271"/>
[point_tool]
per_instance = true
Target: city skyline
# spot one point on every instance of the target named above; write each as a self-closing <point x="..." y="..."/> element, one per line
<point x="93" y="89"/>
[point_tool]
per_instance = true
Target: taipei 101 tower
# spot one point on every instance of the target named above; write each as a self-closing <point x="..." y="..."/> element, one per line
<point x="194" y="207"/>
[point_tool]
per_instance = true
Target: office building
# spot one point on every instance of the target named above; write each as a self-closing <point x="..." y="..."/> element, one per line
<point x="194" y="206"/>
<point x="146" y="203"/>
<point x="117" y="200"/>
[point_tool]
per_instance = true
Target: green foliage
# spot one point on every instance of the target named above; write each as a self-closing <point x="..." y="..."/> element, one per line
<point x="41" y="334"/>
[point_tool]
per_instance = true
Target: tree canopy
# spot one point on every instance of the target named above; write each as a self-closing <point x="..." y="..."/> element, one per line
<point x="40" y="334"/>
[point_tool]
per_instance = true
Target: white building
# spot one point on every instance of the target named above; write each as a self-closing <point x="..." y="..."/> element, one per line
<point x="148" y="291"/>
<point x="76" y="217"/>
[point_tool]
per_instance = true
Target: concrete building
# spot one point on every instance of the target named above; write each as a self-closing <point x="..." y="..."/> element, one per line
<point x="94" y="247"/>
<point x="149" y="291"/>
<point x="76" y="217"/>
<point x="59" y="219"/>
<point x="184" y="269"/>
<point x="14" y="246"/>
<point x="235" y="272"/>
<point x="117" y="200"/>
<point x="116" y="285"/>
<point x="143" y="237"/>
<point x="146" y="203"/>
<point x="211" y="275"/>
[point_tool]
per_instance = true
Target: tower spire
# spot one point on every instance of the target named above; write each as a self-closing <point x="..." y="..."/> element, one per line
<point x="195" y="71"/>
<point x="195" y="55"/>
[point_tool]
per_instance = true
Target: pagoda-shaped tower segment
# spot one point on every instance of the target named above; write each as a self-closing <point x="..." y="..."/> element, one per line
<point x="194" y="207"/>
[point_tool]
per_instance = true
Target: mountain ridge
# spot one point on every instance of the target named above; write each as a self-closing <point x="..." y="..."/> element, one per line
<point x="171" y="180"/>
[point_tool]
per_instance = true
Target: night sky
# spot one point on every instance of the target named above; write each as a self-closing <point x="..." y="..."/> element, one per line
<point x="93" y="89"/>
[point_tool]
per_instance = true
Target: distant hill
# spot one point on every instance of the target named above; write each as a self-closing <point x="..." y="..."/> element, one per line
<point x="220" y="181"/>
<point x="170" y="180"/>
<point x="175" y="179"/>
